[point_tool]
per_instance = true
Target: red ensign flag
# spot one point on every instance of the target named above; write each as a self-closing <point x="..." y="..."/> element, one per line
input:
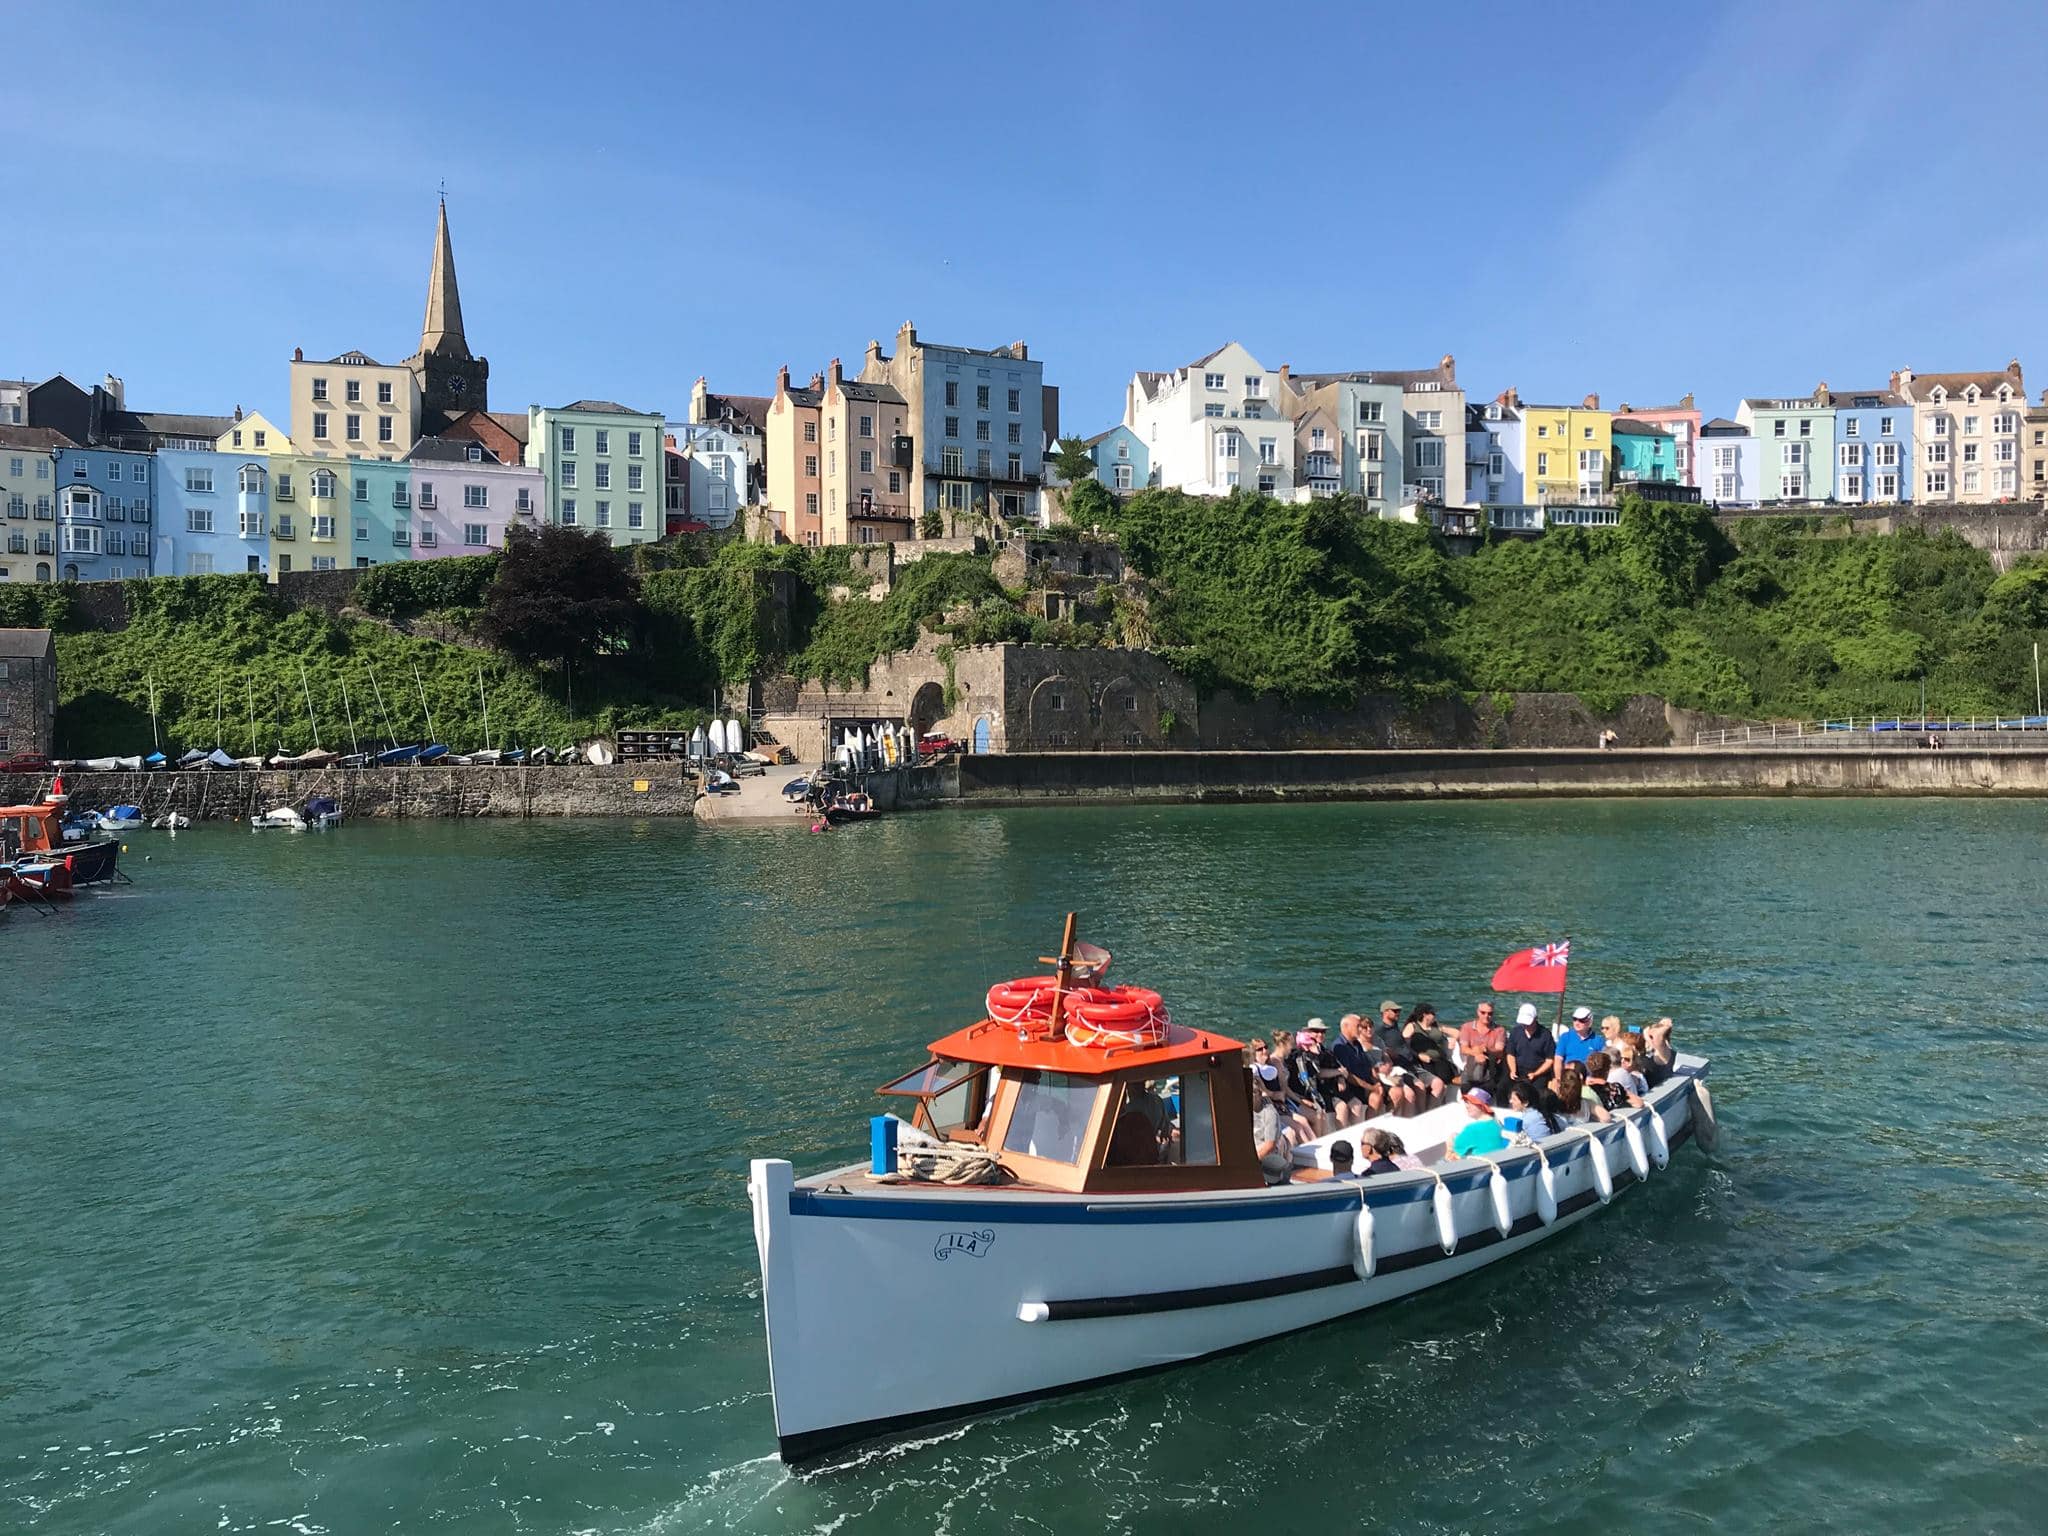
<point x="1534" y="970"/>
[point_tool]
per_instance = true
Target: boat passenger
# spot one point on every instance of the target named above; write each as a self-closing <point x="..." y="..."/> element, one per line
<point x="1629" y="1072"/>
<point x="1320" y="1069"/>
<point x="1398" y="1089"/>
<point x="1387" y="1034"/>
<point x="1532" y="1049"/>
<point x="1484" y="1045"/>
<point x="1272" y="1141"/>
<point x="1297" y="1066"/>
<point x="1662" y="1058"/>
<point x="1574" y="1102"/>
<point x="1358" y="1093"/>
<point x="1381" y="1148"/>
<point x="1612" y="1095"/>
<point x="1476" y="1032"/>
<point x="1292" y="1111"/>
<point x="1528" y="1099"/>
<point x="1578" y="1042"/>
<point x="1482" y="1133"/>
<point x="1430" y="1049"/>
<point x="1610" y="1034"/>
<point x="1340" y="1162"/>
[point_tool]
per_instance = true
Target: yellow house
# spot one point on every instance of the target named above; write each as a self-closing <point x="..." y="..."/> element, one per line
<point x="308" y="500"/>
<point x="254" y="433"/>
<point x="1567" y="452"/>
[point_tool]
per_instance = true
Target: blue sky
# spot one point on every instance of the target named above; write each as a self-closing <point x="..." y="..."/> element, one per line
<point x="1724" y="199"/>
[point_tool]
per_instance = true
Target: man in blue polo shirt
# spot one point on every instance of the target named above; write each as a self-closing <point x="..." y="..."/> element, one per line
<point x="1580" y="1041"/>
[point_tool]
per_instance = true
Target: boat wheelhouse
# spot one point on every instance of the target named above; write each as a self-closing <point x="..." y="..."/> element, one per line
<point x="1069" y="1188"/>
<point x="33" y="840"/>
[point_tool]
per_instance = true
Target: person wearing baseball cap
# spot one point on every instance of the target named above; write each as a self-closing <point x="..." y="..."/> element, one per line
<point x="1482" y="1133"/>
<point x="1272" y="1141"/>
<point x="1532" y="1049"/>
<point x="1580" y="1041"/>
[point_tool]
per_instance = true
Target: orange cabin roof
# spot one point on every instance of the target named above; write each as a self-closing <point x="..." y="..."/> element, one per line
<point x="995" y="1044"/>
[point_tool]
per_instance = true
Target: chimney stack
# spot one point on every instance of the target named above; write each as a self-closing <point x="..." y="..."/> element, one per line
<point x="832" y="374"/>
<point x="1685" y="400"/>
<point x="1590" y="403"/>
<point x="1449" y="365"/>
<point x="298" y="354"/>
<point x="782" y="380"/>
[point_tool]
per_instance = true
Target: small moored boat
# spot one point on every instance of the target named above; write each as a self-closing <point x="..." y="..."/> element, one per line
<point x="279" y="818"/>
<point x="32" y="836"/>
<point x="1078" y="1199"/>
<point x="119" y="818"/>
<point x="322" y="813"/>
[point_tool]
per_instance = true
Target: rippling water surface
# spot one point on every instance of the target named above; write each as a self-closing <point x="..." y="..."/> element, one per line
<point x="394" y="1179"/>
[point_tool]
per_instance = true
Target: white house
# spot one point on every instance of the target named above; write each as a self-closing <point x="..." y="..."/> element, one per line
<point x="1218" y="425"/>
<point x="715" y="459"/>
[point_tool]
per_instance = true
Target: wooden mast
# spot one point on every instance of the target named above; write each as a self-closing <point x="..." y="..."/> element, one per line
<point x="1063" y="975"/>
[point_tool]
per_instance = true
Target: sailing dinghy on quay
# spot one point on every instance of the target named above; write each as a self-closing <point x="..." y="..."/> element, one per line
<point x="1076" y="1199"/>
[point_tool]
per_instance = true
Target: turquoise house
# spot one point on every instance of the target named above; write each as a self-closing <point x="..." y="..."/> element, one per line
<point x="379" y="511"/>
<point x="1644" y="450"/>
<point x="1121" y="462"/>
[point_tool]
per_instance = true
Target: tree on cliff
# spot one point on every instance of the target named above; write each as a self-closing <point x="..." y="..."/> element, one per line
<point x="1073" y="461"/>
<point x="561" y="595"/>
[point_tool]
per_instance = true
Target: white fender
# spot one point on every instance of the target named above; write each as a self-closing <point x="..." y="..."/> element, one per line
<point x="1603" y="1176"/>
<point x="1660" y="1141"/>
<point x="1638" y="1156"/>
<point x="1446" y="1218"/>
<point x="1361" y="1252"/>
<point x="1546" y="1192"/>
<point x="1503" y="1217"/>
<point x="1704" y="1126"/>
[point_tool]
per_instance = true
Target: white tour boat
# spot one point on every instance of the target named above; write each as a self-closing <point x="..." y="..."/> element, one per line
<point x="1024" y="1235"/>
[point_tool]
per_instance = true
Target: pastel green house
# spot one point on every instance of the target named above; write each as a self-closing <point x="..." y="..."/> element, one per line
<point x="379" y="511"/>
<point x="1795" y="441"/>
<point x="602" y="468"/>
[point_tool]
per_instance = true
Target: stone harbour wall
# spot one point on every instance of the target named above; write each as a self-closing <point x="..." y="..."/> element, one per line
<point x="1105" y="778"/>
<point x="384" y="793"/>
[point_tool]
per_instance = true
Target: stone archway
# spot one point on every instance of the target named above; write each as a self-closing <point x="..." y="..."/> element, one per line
<point x="1058" y="715"/>
<point x="927" y="707"/>
<point x="1127" y="715"/>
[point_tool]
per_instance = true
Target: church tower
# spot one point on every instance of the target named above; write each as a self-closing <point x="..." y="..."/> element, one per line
<point x="451" y="380"/>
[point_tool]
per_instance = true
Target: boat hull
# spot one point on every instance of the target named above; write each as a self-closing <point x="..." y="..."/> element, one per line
<point x="892" y="1309"/>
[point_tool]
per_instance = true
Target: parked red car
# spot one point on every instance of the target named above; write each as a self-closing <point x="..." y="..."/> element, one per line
<point x="936" y="746"/>
<point x="25" y="762"/>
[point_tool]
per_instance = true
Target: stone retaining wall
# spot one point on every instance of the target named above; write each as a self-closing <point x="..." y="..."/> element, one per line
<point x="1042" y="778"/>
<point x="397" y="793"/>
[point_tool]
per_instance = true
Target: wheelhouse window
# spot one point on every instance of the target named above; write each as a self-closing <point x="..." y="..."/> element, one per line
<point x="1050" y="1116"/>
<point x="952" y="1096"/>
<point x="1166" y="1121"/>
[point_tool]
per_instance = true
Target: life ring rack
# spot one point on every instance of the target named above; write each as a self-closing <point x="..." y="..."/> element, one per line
<point x="1092" y="1016"/>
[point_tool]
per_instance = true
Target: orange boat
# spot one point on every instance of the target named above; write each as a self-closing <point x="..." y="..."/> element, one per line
<point x="1071" y="1195"/>
<point x="32" y="843"/>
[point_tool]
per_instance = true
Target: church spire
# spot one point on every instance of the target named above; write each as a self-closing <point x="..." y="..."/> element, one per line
<point x="441" y="331"/>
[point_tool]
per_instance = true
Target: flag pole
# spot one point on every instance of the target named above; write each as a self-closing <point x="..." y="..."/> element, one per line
<point x="1560" y="991"/>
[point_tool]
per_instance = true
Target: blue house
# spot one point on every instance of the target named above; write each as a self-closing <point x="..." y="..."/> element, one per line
<point x="1121" y="462"/>
<point x="1873" y="445"/>
<point x="105" y="508"/>
<point x="1730" y="464"/>
<point x="214" y="514"/>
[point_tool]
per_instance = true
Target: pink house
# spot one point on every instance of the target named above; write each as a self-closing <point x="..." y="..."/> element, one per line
<point x="1683" y="422"/>
<point x="464" y="498"/>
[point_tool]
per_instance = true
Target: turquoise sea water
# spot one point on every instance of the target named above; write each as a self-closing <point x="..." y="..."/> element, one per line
<point x="394" y="1179"/>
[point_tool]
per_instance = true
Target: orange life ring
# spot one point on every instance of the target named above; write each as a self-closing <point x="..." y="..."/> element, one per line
<point x="1027" y="999"/>
<point x="1118" y="1016"/>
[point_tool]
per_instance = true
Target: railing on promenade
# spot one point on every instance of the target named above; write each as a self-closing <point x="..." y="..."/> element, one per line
<point x="1878" y="730"/>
